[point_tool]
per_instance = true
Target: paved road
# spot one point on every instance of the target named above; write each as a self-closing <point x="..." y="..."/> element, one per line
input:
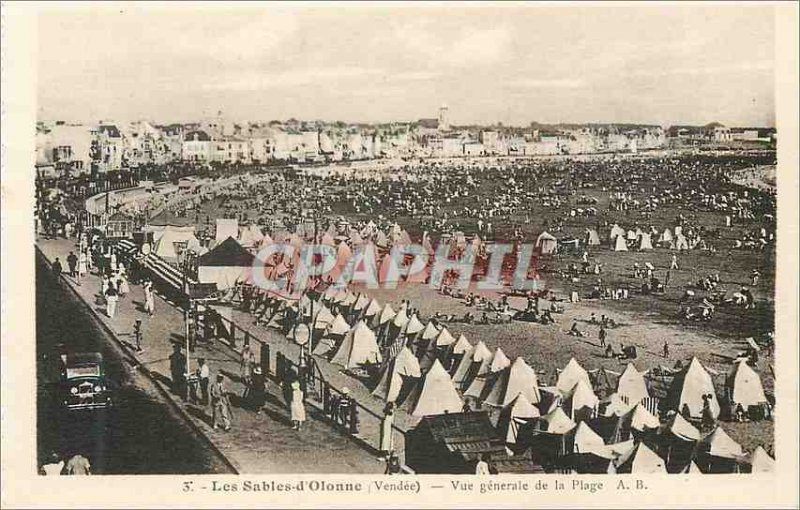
<point x="141" y="434"/>
<point x="258" y="443"/>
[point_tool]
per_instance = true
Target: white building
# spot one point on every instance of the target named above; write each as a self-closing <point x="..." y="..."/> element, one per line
<point x="196" y="146"/>
<point x="64" y="147"/>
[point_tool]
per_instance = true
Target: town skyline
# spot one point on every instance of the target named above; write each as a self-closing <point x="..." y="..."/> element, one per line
<point x="688" y="65"/>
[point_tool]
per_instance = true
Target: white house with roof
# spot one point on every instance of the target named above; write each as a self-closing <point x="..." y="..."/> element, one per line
<point x="196" y="146"/>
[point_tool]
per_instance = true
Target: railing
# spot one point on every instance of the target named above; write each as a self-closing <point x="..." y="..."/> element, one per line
<point x="340" y="409"/>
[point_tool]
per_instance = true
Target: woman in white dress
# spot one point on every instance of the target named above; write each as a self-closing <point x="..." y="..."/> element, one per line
<point x="149" y="299"/>
<point x="124" y="288"/>
<point x="83" y="266"/>
<point x="104" y="286"/>
<point x="297" y="408"/>
<point x="111" y="301"/>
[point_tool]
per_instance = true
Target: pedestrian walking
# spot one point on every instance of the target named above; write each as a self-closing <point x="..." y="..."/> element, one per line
<point x="72" y="262"/>
<point x="482" y="467"/>
<point x="246" y="367"/>
<point x="149" y="298"/>
<point x="674" y="264"/>
<point x="137" y="335"/>
<point x="83" y="267"/>
<point x="220" y="405"/>
<point x="79" y="465"/>
<point x="122" y="280"/>
<point x="203" y="375"/>
<point x="111" y="300"/>
<point x="104" y="285"/>
<point x="53" y="466"/>
<point x="602" y="335"/>
<point x="666" y="349"/>
<point x="345" y="403"/>
<point x="258" y="393"/>
<point x="297" y="407"/>
<point x="177" y="368"/>
<point x="393" y="465"/>
<point x="57" y="267"/>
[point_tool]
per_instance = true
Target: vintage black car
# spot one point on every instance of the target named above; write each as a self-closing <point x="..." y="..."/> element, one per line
<point x="84" y="383"/>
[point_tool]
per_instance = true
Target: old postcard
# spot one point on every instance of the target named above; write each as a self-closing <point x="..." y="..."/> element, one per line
<point x="399" y="255"/>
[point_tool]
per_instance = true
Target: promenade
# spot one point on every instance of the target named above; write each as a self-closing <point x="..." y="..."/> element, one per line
<point x="257" y="443"/>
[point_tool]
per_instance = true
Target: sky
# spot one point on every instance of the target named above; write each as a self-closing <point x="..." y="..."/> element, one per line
<point x="660" y="64"/>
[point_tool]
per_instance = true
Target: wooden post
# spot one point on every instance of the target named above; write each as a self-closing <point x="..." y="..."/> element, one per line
<point x="353" y="417"/>
<point x="265" y="359"/>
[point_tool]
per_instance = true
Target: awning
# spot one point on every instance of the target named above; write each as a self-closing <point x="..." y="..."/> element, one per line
<point x="127" y="247"/>
<point x="164" y="271"/>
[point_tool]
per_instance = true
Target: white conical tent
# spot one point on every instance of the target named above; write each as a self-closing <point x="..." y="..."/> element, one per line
<point x="251" y="236"/>
<point x="400" y="319"/>
<point x="632" y="386"/>
<point x="621" y="448"/>
<point x="372" y="309"/>
<point x="343" y="256"/>
<point x="615" y="406"/>
<point x="720" y="444"/>
<point x="666" y="236"/>
<point x="581" y="396"/>
<point x="620" y="244"/>
<point x="692" y="469"/>
<point x="586" y="440"/>
<point x="498" y="363"/>
<point x="340" y="296"/>
<point x="641" y="460"/>
<point x="357" y="348"/>
<point x="323" y="316"/>
<point x="480" y="355"/>
<point x="413" y="326"/>
<point x="435" y="394"/>
<point x="592" y="239"/>
<point x="556" y="422"/>
<point x="518" y="379"/>
<point x="458" y="349"/>
<point x="430" y="332"/>
<point x="426" y="345"/>
<point x="386" y="314"/>
<point x="227" y="227"/>
<point x="546" y="243"/>
<point x="338" y="326"/>
<point x="349" y="299"/>
<point x="460" y="346"/>
<point x="682" y="429"/>
<point x="571" y="374"/>
<point x="744" y="386"/>
<point x="329" y="293"/>
<point x="390" y="383"/>
<point x="361" y="303"/>
<point x="641" y="419"/>
<point x="516" y="413"/>
<point x="761" y="462"/>
<point x="165" y="246"/>
<point x="689" y="387"/>
<point x="444" y="338"/>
